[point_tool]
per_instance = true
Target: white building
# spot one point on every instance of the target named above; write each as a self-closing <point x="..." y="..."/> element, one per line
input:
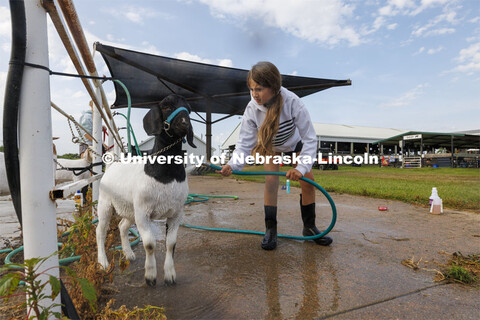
<point x="339" y="138"/>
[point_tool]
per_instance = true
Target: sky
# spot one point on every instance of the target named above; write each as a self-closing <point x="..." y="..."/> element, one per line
<point x="414" y="64"/>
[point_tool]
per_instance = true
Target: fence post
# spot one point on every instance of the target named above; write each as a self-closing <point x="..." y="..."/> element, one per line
<point x="36" y="150"/>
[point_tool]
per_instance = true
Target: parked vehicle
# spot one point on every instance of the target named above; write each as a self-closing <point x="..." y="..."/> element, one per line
<point x="325" y="163"/>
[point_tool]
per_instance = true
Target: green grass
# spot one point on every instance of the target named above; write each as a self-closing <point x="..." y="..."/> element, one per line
<point x="464" y="269"/>
<point x="459" y="188"/>
<point x="459" y="274"/>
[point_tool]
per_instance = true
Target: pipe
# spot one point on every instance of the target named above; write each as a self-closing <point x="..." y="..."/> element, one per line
<point x="36" y="153"/>
<point x="97" y="147"/>
<point x="11" y="111"/>
<point x="73" y="21"/>
<point x="64" y="36"/>
<point x="12" y="101"/>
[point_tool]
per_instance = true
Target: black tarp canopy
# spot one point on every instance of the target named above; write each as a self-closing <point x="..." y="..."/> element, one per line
<point x="208" y="88"/>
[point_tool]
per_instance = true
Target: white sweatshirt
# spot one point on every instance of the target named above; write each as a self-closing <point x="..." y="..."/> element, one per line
<point x="294" y="125"/>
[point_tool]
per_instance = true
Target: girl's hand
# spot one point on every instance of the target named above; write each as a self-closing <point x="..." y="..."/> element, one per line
<point x="294" y="174"/>
<point x="226" y="170"/>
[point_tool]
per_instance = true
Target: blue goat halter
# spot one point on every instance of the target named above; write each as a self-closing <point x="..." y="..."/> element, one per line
<point x="174" y="114"/>
<point x="171" y="117"/>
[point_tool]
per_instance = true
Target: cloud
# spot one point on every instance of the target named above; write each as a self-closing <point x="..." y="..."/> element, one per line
<point x="469" y="59"/>
<point x="392" y="26"/>
<point x="5" y="30"/>
<point x="395" y="7"/>
<point x="425" y="4"/>
<point x="192" y="57"/>
<point x="407" y="98"/>
<point x="5" y="25"/>
<point x="136" y="14"/>
<point x="429" y="51"/>
<point x="322" y="21"/>
<point x="408" y="7"/>
<point x="419" y="51"/>
<point x="3" y="80"/>
<point x="434" y="26"/>
<point x="431" y="28"/>
<point x="434" y="51"/>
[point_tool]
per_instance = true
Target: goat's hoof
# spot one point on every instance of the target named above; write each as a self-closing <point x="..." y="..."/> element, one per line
<point x="151" y="283"/>
<point x="130" y="256"/>
<point x="103" y="263"/>
<point x="169" y="283"/>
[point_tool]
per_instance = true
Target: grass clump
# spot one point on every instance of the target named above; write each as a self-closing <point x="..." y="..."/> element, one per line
<point x="463" y="269"/>
<point x="121" y="313"/>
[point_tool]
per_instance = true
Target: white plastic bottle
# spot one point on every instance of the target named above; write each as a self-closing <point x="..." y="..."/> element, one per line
<point x="78" y="198"/>
<point x="433" y="196"/>
<point x="437" y="205"/>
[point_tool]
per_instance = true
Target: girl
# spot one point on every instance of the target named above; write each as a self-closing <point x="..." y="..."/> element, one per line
<point x="276" y="121"/>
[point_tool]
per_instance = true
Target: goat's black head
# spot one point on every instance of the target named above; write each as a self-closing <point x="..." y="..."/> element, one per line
<point x="170" y="117"/>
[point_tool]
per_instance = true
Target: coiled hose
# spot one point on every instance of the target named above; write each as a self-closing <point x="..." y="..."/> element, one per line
<point x="276" y="173"/>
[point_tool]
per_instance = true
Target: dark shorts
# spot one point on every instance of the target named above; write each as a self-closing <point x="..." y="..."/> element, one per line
<point x="297" y="149"/>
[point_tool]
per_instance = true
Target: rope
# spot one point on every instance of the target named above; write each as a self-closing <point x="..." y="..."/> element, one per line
<point x="316" y="185"/>
<point x="82" y="169"/>
<point x="37" y="66"/>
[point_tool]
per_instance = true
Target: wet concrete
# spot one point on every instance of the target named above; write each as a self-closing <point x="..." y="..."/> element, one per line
<point x="228" y="276"/>
<point x="10" y="234"/>
<point x="360" y="276"/>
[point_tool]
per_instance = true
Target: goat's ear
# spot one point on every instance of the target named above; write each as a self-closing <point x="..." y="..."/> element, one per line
<point x="152" y="122"/>
<point x="190" y="136"/>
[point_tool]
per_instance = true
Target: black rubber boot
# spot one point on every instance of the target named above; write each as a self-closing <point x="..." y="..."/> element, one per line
<point x="309" y="228"/>
<point x="269" y="242"/>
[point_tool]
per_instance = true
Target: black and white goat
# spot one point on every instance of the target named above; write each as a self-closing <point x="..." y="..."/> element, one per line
<point x="141" y="192"/>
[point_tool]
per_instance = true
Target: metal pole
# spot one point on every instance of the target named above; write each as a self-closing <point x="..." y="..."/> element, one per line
<point x="111" y="141"/>
<point x="208" y="134"/>
<point x="421" y="152"/>
<point x="97" y="147"/>
<point x="36" y="152"/>
<point x="452" y="147"/>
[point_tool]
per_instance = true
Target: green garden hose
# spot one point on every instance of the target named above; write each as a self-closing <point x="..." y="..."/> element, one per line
<point x="275" y="173"/>
<point x="137" y="148"/>
<point x="198" y="197"/>
<point x="66" y="261"/>
<point x="129" y="103"/>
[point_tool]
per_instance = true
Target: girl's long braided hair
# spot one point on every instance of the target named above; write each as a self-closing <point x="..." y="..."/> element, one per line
<point x="267" y="75"/>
